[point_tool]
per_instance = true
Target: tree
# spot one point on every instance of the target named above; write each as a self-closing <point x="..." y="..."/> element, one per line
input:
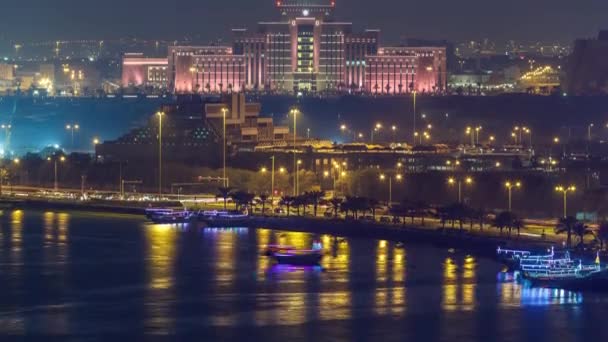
<point x="263" y="201"/>
<point x="580" y="229"/>
<point x="315" y="197"/>
<point x="503" y="220"/>
<point x="602" y="233"/>
<point x="287" y="201"/>
<point x="373" y="204"/>
<point x="224" y="192"/>
<point x="335" y="203"/>
<point x="566" y="225"/>
<point x="242" y="199"/>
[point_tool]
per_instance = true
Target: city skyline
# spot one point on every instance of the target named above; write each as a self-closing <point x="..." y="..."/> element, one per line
<point x="445" y="20"/>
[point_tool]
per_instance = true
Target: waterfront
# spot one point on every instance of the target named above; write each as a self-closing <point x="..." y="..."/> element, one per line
<point x="86" y="274"/>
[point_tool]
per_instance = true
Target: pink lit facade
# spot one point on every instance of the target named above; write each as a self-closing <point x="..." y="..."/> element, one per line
<point x="399" y="70"/>
<point x="306" y="50"/>
<point x="139" y="71"/>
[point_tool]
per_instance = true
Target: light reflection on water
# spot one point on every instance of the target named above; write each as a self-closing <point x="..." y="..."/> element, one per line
<point x="220" y="277"/>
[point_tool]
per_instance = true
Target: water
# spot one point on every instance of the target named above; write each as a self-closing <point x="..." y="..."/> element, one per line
<point x="84" y="274"/>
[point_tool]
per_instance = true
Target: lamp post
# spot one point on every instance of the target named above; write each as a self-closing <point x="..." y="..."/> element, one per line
<point x="295" y="112"/>
<point x="272" y="183"/>
<point x="458" y="182"/>
<point x="529" y="132"/>
<point x="510" y="185"/>
<point x="298" y="163"/>
<point x="414" y="125"/>
<point x="376" y="128"/>
<point x="394" y="130"/>
<point x="589" y="131"/>
<point x="55" y="159"/>
<point x="565" y="190"/>
<point x="72" y="128"/>
<point x="160" y="153"/>
<point x="390" y="185"/>
<point x="224" y="111"/>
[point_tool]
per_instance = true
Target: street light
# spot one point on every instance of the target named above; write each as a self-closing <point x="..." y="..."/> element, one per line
<point x="565" y="191"/>
<point x="55" y="159"/>
<point x="294" y="112"/>
<point x="298" y="163"/>
<point x="458" y="182"/>
<point x="160" y="152"/>
<point x="376" y="128"/>
<point x="224" y="111"/>
<point x="72" y="128"/>
<point x="510" y="185"/>
<point x="398" y="178"/>
<point x="589" y="131"/>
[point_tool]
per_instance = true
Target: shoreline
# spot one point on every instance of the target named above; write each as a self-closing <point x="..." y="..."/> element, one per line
<point x="442" y="237"/>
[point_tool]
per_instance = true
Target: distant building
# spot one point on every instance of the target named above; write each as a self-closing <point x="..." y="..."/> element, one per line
<point x="140" y="71"/>
<point x="587" y="71"/>
<point x="7" y="72"/>
<point x="304" y="50"/>
<point x="243" y="121"/>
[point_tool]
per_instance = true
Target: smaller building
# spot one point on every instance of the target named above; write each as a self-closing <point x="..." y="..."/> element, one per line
<point x="243" y="121"/>
<point x="140" y="71"/>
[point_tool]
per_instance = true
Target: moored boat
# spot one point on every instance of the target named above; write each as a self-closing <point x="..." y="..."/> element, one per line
<point x="172" y="217"/>
<point x="299" y="257"/>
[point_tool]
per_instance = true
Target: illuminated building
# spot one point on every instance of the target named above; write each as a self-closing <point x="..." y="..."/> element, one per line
<point x="543" y="80"/>
<point x="7" y="72"/>
<point x="306" y="50"/>
<point x="138" y="70"/>
<point x="205" y="69"/>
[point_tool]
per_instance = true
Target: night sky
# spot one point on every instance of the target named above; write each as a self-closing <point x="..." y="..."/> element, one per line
<point x="548" y="20"/>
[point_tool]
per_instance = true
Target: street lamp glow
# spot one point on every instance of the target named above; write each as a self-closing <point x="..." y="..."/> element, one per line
<point x="16" y="161"/>
<point x="556" y="140"/>
<point x="398" y="177"/>
<point x="281" y="170"/>
<point x="263" y="170"/>
<point x="326" y="174"/>
<point x="382" y="177"/>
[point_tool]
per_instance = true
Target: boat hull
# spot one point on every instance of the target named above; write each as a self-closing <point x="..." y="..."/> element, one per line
<point x="298" y="260"/>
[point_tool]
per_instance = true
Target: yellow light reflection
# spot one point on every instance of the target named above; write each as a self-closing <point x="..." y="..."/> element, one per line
<point x="450" y="287"/>
<point x="469" y="283"/>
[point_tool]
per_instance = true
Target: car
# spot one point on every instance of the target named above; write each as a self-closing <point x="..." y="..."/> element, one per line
<point x="385" y="219"/>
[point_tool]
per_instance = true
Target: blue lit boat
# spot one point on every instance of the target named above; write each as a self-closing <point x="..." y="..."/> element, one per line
<point x="565" y="273"/>
<point x="172" y="217"/>
<point x="299" y="257"/>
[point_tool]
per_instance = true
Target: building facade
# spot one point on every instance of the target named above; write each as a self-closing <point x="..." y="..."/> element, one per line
<point x="138" y="71"/>
<point x="306" y="50"/>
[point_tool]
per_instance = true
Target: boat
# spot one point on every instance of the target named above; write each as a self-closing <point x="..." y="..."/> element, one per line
<point x="224" y="218"/>
<point x="514" y="258"/>
<point x="273" y="249"/>
<point x="565" y="273"/>
<point x="299" y="257"/>
<point x="172" y="217"/>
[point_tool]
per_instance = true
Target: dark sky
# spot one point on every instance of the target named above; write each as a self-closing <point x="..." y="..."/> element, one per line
<point x="549" y="20"/>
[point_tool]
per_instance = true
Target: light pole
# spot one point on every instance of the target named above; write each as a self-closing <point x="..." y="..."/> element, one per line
<point x="589" y="131"/>
<point x="376" y="128"/>
<point x="458" y="182"/>
<point x="394" y="129"/>
<point x="390" y="185"/>
<point x="272" y="183"/>
<point x="298" y="163"/>
<point x="55" y="159"/>
<point x="295" y="112"/>
<point x="414" y="125"/>
<point x="565" y="190"/>
<point x="510" y="185"/>
<point x="72" y="128"/>
<point x="160" y="153"/>
<point x="529" y="132"/>
<point x="224" y="111"/>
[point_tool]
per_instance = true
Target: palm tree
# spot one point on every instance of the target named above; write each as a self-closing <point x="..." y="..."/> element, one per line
<point x="580" y="229"/>
<point x="242" y="199"/>
<point x="602" y="233"/>
<point x="263" y="201"/>
<point x="373" y="204"/>
<point x="503" y="220"/>
<point x="287" y="201"/>
<point x="224" y="192"/>
<point x="315" y="197"/>
<point x="335" y="203"/>
<point x="518" y="224"/>
<point x="566" y="225"/>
